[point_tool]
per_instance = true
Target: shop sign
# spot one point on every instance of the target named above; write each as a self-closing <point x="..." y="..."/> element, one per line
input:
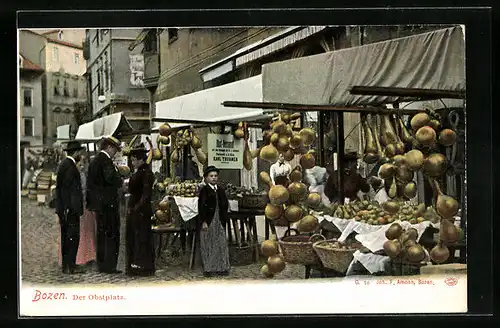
<point x="225" y="151"/>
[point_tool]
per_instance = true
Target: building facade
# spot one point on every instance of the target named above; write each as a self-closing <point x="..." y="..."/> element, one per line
<point x="115" y="75"/>
<point x="63" y="83"/>
<point x="30" y="102"/>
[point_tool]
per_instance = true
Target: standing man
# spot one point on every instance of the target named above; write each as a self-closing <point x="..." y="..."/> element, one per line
<point x="280" y="170"/>
<point x="69" y="206"/>
<point x="102" y="197"/>
<point x="353" y="181"/>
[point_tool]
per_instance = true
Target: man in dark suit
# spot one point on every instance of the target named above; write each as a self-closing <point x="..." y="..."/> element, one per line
<point x="69" y="206"/>
<point x="103" y="183"/>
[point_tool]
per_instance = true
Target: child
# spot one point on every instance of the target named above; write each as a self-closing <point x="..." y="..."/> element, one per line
<point x="212" y="208"/>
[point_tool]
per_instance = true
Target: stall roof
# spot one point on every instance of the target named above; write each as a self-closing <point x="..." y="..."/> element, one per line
<point x="105" y="126"/>
<point x="433" y="60"/>
<point x="206" y="106"/>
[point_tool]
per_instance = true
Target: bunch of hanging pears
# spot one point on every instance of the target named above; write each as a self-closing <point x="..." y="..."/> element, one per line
<point x="281" y="138"/>
<point x="242" y="133"/>
<point x="294" y="204"/>
<point x="184" y="137"/>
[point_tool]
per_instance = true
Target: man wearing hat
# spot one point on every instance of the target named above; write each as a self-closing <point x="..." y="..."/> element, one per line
<point x="103" y="183"/>
<point x="353" y="181"/>
<point x="69" y="205"/>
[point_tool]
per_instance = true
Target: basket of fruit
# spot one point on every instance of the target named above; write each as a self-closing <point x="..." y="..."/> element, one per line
<point x="334" y="254"/>
<point x="298" y="249"/>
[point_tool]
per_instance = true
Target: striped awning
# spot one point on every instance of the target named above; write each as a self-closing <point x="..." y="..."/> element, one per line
<point x="259" y="49"/>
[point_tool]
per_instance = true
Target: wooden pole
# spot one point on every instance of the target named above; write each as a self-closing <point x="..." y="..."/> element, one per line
<point x="340" y="155"/>
<point x="317" y="108"/>
<point x="423" y="94"/>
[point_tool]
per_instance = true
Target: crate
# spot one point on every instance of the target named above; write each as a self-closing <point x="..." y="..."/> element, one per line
<point x="252" y="202"/>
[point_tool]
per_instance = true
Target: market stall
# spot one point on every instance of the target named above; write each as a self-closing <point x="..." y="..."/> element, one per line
<point x="182" y="124"/>
<point x="404" y="142"/>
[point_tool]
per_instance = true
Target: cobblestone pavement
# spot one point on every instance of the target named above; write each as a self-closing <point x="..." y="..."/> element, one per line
<point x="39" y="247"/>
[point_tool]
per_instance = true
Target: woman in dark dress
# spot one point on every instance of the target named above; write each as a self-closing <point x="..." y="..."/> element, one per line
<point x="139" y="237"/>
<point x="212" y="208"/>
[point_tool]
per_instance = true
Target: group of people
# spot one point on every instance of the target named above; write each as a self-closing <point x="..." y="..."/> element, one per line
<point x="87" y="206"/>
<point x="325" y="183"/>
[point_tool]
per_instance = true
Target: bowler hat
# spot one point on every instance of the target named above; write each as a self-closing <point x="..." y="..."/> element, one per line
<point x="112" y="141"/>
<point x="73" y="145"/>
<point x="209" y="169"/>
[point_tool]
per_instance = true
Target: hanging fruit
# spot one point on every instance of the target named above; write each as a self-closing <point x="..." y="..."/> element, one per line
<point x="165" y="130"/>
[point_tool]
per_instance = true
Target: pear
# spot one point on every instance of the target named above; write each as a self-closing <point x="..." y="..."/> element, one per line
<point x="414" y="159"/>
<point x="446" y="206"/>
<point x="419" y="120"/>
<point x="426" y="136"/>
<point x="447" y="137"/>
<point x="440" y="253"/>
<point x="435" y="165"/>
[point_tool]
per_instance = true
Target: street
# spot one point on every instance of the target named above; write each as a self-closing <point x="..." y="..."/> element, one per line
<point x="39" y="247"/>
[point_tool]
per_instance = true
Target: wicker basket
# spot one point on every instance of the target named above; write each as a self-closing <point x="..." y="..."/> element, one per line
<point x="335" y="259"/>
<point x="298" y="249"/>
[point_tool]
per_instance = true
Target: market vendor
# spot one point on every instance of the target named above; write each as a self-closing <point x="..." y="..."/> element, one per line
<point x="353" y="181"/>
<point x="380" y="192"/>
<point x="279" y="171"/>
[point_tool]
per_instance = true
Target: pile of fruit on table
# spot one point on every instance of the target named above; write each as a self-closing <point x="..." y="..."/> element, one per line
<point x="371" y="212"/>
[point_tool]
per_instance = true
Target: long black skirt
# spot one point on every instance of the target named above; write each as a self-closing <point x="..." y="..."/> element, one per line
<point x="139" y="244"/>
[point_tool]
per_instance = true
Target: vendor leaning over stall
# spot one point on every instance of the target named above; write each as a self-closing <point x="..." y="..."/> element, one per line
<point x="353" y="181"/>
<point x="139" y="236"/>
<point x="279" y="171"/>
<point x="212" y="208"/>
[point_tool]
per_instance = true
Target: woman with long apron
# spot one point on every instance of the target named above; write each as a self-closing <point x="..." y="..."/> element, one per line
<point x="212" y="208"/>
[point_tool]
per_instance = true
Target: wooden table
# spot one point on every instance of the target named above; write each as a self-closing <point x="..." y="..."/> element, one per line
<point x="244" y="226"/>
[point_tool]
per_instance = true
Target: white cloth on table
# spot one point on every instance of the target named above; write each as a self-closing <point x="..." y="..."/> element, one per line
<point x="372" y="262"/>
<point x="341" y="224"/>
<point x="188" y="207"/>
<point x="375" y="240"/>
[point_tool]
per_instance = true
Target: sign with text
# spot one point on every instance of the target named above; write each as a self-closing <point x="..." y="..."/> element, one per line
<point x="225" y="151"/>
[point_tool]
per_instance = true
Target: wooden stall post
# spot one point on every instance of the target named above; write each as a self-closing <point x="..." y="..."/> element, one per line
<point x="340" y="154"/>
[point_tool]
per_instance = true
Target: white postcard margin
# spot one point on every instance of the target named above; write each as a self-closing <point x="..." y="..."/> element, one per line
<point x="369" y="295"/>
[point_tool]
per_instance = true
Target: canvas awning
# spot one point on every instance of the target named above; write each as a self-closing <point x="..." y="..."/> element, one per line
<point x="259" y="49"/>
<point x="206" y="106"/>
<point x="433" y="60"/>
<point x="104" y="126"/>
<point x="63" y="132"/>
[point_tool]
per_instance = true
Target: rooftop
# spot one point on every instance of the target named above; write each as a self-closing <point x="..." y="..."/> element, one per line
<point x="52" y="40"/>
<point x="29" y="65"/>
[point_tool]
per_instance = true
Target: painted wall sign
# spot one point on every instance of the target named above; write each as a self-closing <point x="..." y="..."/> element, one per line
<point x="225" y="151"/>
<point x="137" y="70"/>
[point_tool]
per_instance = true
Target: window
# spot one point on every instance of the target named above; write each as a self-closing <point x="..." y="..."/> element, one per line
<point x="28" y="127"/>
<point x="75" y="91"/>
<point x="55" y="54"/>
<point x="172" y="34"/>
<point x="77" y="58"/>
<point x="56" y="88"/>
<point x="106" y="72"/>
<point x="66" y="89"/>
<point x="28" y="97"/>
<point x="97" y="37"/>
<point x="60" y="35"/>
<point x="150" y="42"/>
